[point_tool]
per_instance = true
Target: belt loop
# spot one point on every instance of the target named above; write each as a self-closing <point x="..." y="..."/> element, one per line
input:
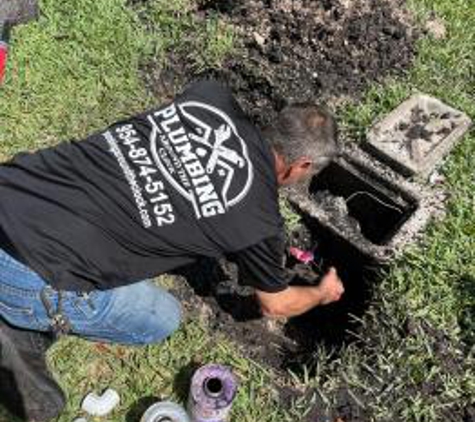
<point x="59" y="322"/>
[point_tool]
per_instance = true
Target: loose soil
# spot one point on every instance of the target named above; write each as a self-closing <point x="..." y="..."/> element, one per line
<point x="18" y="11"/>
<point x="300" y="50"/>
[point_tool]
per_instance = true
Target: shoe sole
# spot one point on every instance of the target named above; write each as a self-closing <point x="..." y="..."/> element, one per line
<point x="36" y="397"/>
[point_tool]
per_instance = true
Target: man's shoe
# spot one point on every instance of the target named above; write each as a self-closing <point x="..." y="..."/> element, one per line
<point x="26" y="387"/>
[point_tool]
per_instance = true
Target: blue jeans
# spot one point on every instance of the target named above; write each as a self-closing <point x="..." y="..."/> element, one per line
<point x="140" y="313"/>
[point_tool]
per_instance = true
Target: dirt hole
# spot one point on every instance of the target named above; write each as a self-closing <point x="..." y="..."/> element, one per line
<point x="330" y="326"/>
<point x="232" y="310"/>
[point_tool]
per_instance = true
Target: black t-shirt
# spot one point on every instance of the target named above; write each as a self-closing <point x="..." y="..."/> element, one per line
<point x="189" y="179"/>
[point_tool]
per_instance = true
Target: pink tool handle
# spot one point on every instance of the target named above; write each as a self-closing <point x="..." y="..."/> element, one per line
<point x="3" y="59"/>
<point x="303" y="256"/>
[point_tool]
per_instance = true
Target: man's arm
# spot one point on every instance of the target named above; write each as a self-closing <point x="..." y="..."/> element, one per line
<point x="296" y="300"/>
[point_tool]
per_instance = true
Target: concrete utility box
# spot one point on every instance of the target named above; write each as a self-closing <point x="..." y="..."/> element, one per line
<point x="363" y="200"/>
<point x="418" y="134"/>
<point x="365" y="204"/>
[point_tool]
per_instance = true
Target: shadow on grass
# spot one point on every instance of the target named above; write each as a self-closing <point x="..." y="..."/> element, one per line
<point x="466" y="318"/>
<point x="139" y="407"/>
<point x="182" y="382"/>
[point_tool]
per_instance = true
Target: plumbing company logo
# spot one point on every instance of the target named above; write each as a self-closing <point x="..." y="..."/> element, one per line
<point x="200" y="153"/>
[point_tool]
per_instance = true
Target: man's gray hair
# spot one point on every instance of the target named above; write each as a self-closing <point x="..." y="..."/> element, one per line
<point x="304" y="129"/>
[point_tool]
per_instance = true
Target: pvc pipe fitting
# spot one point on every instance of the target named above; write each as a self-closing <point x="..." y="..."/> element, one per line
<point x="101" y="405"/>
<point x="165" y="412"/>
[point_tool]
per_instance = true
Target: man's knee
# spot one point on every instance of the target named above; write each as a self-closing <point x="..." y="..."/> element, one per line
<point x="140" y="314"/>
<point x="165" y="319"/>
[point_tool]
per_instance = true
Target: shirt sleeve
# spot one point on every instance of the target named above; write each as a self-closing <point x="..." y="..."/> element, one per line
<point x="262" y="265"/>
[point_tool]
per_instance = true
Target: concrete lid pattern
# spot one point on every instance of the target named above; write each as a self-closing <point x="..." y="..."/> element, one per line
<point x="415" y="137"/>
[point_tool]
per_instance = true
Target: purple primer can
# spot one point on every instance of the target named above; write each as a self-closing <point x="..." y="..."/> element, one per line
<point x="212" y="392"/>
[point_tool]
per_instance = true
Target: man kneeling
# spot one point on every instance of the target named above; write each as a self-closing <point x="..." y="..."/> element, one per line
<point x="85" y="225"/>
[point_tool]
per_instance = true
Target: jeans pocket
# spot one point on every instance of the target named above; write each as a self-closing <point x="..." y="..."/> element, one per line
<point x="19" y="315"/>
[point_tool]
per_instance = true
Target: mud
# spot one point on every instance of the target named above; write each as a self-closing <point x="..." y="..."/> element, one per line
<point x="299" y="50"/>
<point x="338" y="208"/>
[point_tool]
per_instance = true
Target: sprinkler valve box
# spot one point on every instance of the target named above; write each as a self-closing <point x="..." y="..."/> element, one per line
<point x="364" y="197"/>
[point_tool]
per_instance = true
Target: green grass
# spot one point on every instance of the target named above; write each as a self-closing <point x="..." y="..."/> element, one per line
<point x="77" y="69"/>
<point x="158" y="372"/>
<point x="71" y="72"/>
<point x="197" y="43"/>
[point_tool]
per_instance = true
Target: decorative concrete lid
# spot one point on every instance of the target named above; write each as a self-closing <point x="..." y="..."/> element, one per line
<point x="415" y="136"/>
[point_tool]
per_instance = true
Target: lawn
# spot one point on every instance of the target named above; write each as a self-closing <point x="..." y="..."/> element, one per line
<point x="78" y="68"/>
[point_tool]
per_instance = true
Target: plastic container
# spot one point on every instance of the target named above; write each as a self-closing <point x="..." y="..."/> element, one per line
<point x="212" y="392"/>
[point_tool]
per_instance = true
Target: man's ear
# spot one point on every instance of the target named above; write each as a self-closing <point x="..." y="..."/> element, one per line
<point x="299" y="170"/>
<point x="304" y="163"/>
<point x="303" y="166"/>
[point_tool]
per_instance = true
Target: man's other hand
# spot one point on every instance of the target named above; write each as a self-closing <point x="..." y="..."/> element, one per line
<point x="331" y="288"/>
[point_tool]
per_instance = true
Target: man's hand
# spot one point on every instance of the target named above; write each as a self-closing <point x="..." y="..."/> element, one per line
<point x="331" y="287"/>
<point x="296" y="300"/>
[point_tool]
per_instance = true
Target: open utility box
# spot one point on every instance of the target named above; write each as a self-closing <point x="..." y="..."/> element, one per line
<point x="364" y="196"/>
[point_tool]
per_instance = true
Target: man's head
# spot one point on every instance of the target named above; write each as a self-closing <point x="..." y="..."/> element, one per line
<point x="304" y="140"/>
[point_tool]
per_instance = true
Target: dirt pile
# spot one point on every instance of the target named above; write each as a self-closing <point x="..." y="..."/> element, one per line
<point x="299" y="50"/>
<point x="18" y="11"/>
<point x="295" y="50"/>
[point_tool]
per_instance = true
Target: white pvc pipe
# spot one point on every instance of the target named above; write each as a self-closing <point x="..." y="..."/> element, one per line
<point x="101" y="405"/>
<point x="165" y="412"/>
